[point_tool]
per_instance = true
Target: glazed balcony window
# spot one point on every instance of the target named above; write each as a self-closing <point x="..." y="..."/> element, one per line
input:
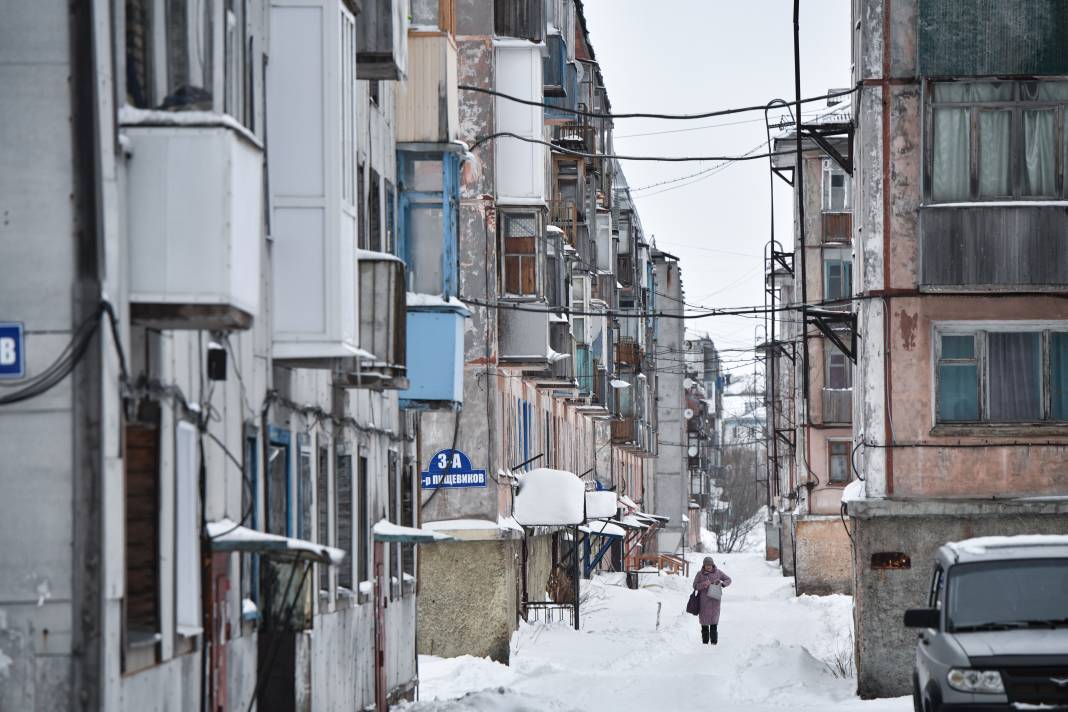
<point x="996" y="140"/>
<point x="520" y="236"/>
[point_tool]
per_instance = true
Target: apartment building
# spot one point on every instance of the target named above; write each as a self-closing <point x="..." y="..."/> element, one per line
<point x="959" y="398"/>
<point x="811" y="356"/>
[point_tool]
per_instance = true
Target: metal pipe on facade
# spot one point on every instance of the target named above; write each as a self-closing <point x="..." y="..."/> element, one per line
<point x="799" y="179"/>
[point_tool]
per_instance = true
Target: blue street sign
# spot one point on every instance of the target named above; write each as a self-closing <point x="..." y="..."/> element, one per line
<point x="12" y="353"/>
<point x="451" y="468"/>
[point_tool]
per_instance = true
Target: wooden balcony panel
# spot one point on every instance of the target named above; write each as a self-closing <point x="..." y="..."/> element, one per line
<point x="837" y="227"/>
<point x="838" y="405"/>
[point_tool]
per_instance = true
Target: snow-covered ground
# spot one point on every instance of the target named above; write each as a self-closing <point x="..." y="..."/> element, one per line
<point x="640" y="650"/>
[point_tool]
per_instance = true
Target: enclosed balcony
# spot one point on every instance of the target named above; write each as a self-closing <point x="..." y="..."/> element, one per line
<point x="435" y="353"/>
<point x="837" y="226"/>
<point x="382" y="34"/>
<point x="624" y="430"/>
<point x="628" y="353"/>
<point x="519" y="165"/>
<point x="524" y="335"/>
<point x="427" y="102"/>
<point x="996" y="247"/>
<point x="838" y="405"/>
<point x="383" y="325"/>
<point x="195" y="211"/>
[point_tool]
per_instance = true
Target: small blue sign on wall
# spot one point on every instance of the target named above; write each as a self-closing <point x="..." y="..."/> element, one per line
<point x="12" y="353"/>
<point x="451" y="468"/>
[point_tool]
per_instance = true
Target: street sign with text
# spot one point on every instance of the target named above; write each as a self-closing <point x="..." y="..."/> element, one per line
<point x="451" y="468"/>
<point x="12" y="352"/>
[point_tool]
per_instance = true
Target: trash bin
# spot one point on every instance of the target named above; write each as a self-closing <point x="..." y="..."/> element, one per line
<point x="632" y="580"/>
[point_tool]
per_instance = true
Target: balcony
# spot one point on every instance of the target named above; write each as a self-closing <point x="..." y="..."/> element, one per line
<point x="382" y="32"/>
<point x="628" y="353"/>
<point x="998" y="247"/>
<point x="576" y="137"/>
<point x="382" y="326"/>
<point x="427" y="103"/>
<point x="837" y="227"/>
<point x="194" y="219"/>
<point x="838" y="405"/>
<point x="523" y="19"/>
<point x="624" y="431"/>
<point x="524" y="336"/>
<point x="313" y="186"/>
<point x="519" y="165"/>
<point x="435" y="353"/>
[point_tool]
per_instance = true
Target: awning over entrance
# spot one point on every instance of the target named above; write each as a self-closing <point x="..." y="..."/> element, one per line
<point x="388" y="531"/>
<point x="653" y="517"/>
<point x="228" y="535"/>
<point x="606" y="529"/>
<point x="601" y="505"/>
<point x="549" y="497"/>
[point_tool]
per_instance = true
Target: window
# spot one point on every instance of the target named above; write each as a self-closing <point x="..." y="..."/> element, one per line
<point x="429" y="233"/>
<point x="408" y="507"/>
<point x="836" y="188"/>
<point x="142" y="534"/>
<point x="343" y="511"/>
<point x="276" y="488"/>
<point x="361" y="223"/>
<point x="363" y="532"/>
<point x="374" y="211"/>
<point x="934" y="598"/>
<point x="171" y="62"/>
<point x="520" y="236"/>
<point x="322" y="509"/>
<point x="393" y="473"/>
<point x="1002" y="376"/>
<point x="837" y="275"/>
<point x="996" y="140"/>
<point x="304" y="488"/>
<point x="390" y="233"/>
<point x="838" y="461"/>
<point x="250" y="562"/>
<point x="839" y="371"/>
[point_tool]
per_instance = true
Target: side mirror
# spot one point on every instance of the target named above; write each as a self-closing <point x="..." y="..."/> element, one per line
<point x="922" y="618"/>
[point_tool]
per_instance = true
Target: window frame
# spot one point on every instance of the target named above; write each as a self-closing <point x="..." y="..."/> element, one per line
<point x="980" y="331"/>
<point x="831" y="455"/>
<point x="447" y="200"/>
<point x="1016" y="106"/>
<point x="829" y="170"/>
<point x="844" y="259"/>
<point x="505" y="215"/>
<point x="831" y="351"/>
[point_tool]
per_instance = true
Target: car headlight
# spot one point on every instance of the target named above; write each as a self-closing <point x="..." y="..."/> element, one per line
<point x="978" y="681"/>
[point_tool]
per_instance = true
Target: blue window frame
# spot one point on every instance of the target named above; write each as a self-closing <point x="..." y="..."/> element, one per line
<point x="428" y="235"/>
<point x="278" y="481"/>
<point x="837" y="278"/>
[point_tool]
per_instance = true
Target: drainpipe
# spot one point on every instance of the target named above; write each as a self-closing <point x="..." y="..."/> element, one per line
<point x="888" y="433"/>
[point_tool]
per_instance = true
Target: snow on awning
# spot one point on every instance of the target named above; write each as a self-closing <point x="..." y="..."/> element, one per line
<point x="601" y="505"/>
<point x="634" y="522"/>
<point x="653" y="517"/>
<point x="548" y="497"/>
<point x="627" y="502"/>
<point x="388" y="531"/>
<point x="604" y="529"/>
<point x="228" y="535"/>
<point x="633" y="525"/>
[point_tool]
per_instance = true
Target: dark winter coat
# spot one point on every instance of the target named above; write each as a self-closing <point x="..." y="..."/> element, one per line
<point x="709" y="606"/>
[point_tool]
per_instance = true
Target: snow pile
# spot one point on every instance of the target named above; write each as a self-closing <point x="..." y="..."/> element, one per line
<point x="640" y="651"/>
<point x="550" y="497"/>
<point x="601" y="505"/>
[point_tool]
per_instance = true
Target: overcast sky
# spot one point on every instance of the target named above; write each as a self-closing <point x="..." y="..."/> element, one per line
<point x="690" y="56"/>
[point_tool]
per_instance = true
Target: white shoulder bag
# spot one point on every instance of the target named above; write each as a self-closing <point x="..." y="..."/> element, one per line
<point x="714" y="591"/>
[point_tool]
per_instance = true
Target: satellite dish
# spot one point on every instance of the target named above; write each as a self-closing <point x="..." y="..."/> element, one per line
<point x="692" y="451"/>
<point x="688" y="413"/>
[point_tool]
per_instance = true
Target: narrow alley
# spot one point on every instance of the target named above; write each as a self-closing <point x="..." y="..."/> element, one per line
<point x="640" y="650"/>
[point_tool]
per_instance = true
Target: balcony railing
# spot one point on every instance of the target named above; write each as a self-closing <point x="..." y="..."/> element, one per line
<point x="564" y="215"/>
<point x="837" y="405"/>
<point x="837" y="227"/>
<point x="575" y="136"/>
<point x="994" y="247"/>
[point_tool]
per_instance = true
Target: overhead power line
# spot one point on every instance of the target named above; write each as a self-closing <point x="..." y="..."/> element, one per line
<point x="584" y="154"/>
<point x="642" y="115"/>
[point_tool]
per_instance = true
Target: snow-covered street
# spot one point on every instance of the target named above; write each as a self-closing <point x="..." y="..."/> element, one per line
<point x="640" y="650"/>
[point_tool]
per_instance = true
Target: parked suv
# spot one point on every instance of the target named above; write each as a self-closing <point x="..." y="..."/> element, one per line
<point x="995" y="633"/>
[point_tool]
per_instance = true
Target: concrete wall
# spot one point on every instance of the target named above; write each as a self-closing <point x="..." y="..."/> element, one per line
<point x="467" y="601"/>
<point x="884" y="647"/>
<point x="671" y="485"/>
<point x="824" y="556"/>
<point x="786" y="544"/>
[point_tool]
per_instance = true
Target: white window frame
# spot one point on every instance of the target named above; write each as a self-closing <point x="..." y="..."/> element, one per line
<point x="188" y="618"/>
<point x="830" y="168"/>
<point x="980" y="329"/>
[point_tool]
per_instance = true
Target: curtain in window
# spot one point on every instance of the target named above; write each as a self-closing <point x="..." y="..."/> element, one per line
<point x="995" y="132"/>
<point x="951" y="171"/>
<point x="426" y="242"/>
<point x="1015" y="376"/>
<point x="1039" y="153"/>
<point x="1058" y="358"/>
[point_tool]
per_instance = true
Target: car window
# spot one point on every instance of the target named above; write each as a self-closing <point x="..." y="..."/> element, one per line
<point x="934" y="598"/>
<point x="1015" y="593"/>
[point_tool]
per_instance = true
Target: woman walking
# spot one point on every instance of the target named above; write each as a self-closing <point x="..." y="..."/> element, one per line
<point x="710" y="577"/>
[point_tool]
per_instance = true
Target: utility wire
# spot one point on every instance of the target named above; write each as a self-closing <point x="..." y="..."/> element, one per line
<point x="584" y="154"/>
<point x="641" y="115"/>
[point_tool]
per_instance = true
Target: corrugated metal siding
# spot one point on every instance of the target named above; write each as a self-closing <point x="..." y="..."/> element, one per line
<point x="427" y="103"/>
<point x="992" y="37"/>
<point x="998" y="246"/>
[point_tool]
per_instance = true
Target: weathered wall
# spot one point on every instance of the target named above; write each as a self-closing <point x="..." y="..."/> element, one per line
<point x="458" y="577"/>
<point x="786" y="544"/>
<point x="824" y="556"/>
<point x="884" y="647"/>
